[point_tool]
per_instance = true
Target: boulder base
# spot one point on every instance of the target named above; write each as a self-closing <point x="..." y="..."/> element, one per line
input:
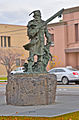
<point x="31" y="89"/>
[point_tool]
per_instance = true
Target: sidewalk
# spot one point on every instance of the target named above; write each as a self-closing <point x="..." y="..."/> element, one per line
<point x="64" y="104"/>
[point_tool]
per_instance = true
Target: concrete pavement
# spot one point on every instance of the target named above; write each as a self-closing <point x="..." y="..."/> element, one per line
<point x="66" y="102"/>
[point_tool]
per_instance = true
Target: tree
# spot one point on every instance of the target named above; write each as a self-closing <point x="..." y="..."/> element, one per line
<point x="8" y="59"/>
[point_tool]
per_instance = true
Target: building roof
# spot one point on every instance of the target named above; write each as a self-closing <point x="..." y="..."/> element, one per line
<point x="70" y="10"/>
<point x="57" y="24"/>
<point x="14" y="25"/>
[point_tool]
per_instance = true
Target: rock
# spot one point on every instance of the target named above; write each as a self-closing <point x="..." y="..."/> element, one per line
<point x="31" y="89"/>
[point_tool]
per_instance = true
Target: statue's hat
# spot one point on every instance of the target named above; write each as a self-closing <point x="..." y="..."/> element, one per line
<point x="36" y="13"/>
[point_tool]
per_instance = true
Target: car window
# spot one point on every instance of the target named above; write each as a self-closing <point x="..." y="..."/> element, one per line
<point x="54" y="70"/>
<point x="72" y="69"/>
<point x="60" y="70"/>
<point x="17" y="69"/>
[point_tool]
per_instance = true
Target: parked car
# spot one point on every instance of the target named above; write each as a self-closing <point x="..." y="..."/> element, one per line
<point x="18" y="70"/>
<point x="66" y="74"/>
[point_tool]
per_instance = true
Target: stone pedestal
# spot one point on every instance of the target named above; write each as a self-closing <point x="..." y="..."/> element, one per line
<point x="31" y="89"/>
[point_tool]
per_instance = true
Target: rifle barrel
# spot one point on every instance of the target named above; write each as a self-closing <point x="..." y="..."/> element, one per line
<point x="54" y="16"/>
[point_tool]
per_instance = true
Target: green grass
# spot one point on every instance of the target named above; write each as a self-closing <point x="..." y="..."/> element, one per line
<point x="3" y="81"/>
<point x="70" y="116"/>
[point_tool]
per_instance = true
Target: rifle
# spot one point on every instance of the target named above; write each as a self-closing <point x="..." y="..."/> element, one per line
<point x="44" y="23"/>
<point x="51" y="18"/>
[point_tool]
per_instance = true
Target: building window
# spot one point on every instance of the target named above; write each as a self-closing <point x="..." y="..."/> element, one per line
<point x="18" y="62"/>
<point x="5" y="41"/>
<point x="1" y="42"/>
<point x="52" y="38"/>
<point x="76" y="33"/>
<point x="22" y="62"/>
<point x="9" y="42"/>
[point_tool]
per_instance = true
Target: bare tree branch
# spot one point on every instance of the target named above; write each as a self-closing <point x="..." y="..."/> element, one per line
<point x="8" y="59"/>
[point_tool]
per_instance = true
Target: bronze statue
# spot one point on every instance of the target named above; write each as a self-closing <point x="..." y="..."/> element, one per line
<point x="37" y="32"/>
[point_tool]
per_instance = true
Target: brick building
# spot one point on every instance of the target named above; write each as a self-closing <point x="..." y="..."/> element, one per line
<point x="13" y="37"/>
<point x="65" y="35"/>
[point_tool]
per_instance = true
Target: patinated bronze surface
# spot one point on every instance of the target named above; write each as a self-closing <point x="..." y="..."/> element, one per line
<point x="40" y="41"/>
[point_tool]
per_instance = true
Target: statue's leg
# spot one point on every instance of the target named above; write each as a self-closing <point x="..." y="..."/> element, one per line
<point x="40" y="61"/>
<point x="30" y="63"/>
<point x="30" y="67"/>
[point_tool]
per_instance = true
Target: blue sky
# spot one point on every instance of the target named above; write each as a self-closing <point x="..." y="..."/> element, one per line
<point x="17" y="11"/>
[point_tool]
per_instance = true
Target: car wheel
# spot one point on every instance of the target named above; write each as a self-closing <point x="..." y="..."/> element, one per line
<point x="65" y="80"/>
